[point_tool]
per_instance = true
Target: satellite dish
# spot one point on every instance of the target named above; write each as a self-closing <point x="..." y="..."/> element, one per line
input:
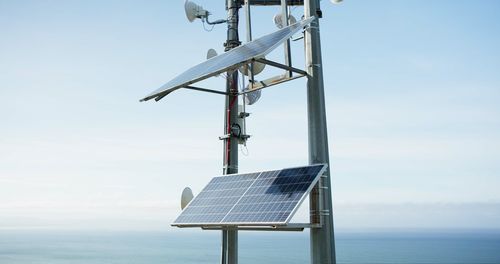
<point x="258" y="67"/>
<point x="278" y="20"/>
<point x="186" y="197"/>
<point x="194" y="11"/>
<point x="251" y="97"/>
<point x="211" y="53"/>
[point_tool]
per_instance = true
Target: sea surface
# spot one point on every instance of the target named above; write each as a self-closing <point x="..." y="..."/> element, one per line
<point x="196" y="246"/>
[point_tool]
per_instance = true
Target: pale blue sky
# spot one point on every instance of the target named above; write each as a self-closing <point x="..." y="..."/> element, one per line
<point x="412" y="90"/>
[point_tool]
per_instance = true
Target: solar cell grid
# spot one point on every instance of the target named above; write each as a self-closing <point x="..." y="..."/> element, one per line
<point x="217" y="199"/>
<point x="269" y="197"/>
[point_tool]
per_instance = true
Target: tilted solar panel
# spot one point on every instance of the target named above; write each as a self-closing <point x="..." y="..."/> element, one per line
<point x="261" y="198"/>
<point x="230" y="60"/>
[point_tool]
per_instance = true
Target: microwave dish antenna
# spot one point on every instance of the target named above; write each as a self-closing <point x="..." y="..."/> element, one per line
<point x="278" y="20"/>
<point x="211" y="53"/>
<point x="194" y="11"/>
<point x="186" y="197"/>
<point x="258" y="67"/>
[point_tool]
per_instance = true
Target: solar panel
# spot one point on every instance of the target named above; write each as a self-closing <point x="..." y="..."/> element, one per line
<point x="230" y="60"/>
<point x="252" y="199"/>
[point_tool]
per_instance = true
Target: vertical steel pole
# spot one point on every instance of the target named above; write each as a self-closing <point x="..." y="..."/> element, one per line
<point x="248" y="18"/>
<point x="230" y="236"/>
<point x="288" y="52"/>
<point x="320" y="199"/>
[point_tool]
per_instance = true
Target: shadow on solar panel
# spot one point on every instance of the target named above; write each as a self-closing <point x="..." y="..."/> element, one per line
<point x="267" y="198"/>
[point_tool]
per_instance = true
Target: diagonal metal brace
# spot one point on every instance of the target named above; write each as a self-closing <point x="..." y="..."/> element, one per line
<point x="204" y="90"/>
<point x="159" y="97"/>
<point x="281" y="66"/>
<point x="258" y="85"/>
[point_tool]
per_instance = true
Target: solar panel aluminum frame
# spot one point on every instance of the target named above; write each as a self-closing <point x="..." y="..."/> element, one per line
<point x="259" y="224"/>
<point x="160" y="95"/>
<point x="306" y="193"/>
<point x="178" y="82"/>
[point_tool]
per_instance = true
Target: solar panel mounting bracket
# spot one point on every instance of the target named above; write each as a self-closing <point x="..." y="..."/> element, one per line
<point x="281" y="66"/>
<point x="294" y="227"/>
<point x="204" y="90"/>
<point x="190" y="87"/>
<point x="258" y="85"/>
<point x="228" y="167"/>
<point x="231" y="60"/>
<point x="226" y="136"/>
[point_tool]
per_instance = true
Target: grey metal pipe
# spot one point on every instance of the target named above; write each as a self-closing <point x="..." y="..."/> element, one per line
<point x="230" y="236"/>
<point x="322" y="241"/>
<point x="288" y="52"/>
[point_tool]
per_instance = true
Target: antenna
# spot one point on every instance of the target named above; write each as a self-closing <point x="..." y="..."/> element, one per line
<point x="278" y="20"/>
<point x="251" y="97"/>
<point x="194" y="11"/>
<point x="186" y="197"/>
<point x="211" y="53"/>
<point x="258" y="67"/>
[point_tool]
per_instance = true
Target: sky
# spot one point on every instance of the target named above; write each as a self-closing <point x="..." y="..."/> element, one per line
<point x="412" y="92"/>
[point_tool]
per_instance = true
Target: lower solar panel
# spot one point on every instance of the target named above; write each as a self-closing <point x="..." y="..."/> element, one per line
<point x="261" y="198"/>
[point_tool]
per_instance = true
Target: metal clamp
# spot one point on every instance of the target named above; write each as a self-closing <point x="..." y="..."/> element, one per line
<point x="224" y="137"/>
<point x="243" y="115"/>
<point x="324" y="212"/>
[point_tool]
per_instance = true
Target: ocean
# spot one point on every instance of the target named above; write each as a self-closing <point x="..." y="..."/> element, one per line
<point x="200" y="247"/>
